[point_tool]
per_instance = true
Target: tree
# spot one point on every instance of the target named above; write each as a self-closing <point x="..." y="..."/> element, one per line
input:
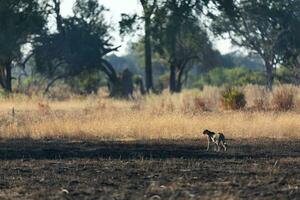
<point x="126" y="25"/>
<point x="80" y="46"/>
<point x="148" y="9"/>
<point x="154" y="16"/>
<point x="289" y="42"/>
<point x="180" y="38"/>
<point x="20" y="22"/>
<point x="255" y="26"/>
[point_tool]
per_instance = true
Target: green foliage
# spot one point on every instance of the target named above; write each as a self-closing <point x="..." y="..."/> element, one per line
<point x="3" y="94"/>
<point x="237" y="76"/>
<point x="127" y="23"/>
<point x="257" y="26"/>
<point x="288" y="46"/>
<point x="288" y="75"/>
<point x="31" y="84"/>
<point x="236" y="58"/>
<point x="163" y="81"/>
<point x="87" y="82"/>
<point x="233" y="99"/>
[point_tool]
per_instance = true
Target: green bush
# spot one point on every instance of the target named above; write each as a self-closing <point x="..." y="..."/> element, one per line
<point x="3" y="94"/>
<point x="233" y="99"/>
<point x="237" y="76"/>
<point x="87" y="82"/>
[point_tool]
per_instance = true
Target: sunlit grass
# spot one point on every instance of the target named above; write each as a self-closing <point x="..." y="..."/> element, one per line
<point x="166" y="116"/>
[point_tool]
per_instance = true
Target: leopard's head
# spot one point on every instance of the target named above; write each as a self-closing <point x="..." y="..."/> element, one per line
<point x="205" y="132"/>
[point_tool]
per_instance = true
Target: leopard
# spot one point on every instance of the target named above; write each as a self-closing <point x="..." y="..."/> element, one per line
<point x="217" y="138"/>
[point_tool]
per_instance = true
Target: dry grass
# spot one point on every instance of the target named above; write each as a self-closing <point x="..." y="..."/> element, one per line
<point x="283" y="98"/>
<point x="177" y="116"/>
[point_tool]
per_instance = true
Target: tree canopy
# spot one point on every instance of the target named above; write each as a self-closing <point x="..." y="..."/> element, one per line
<point x="79" y="47"/>
<point x="20" y="22"/>
<point x="258" y="26"/>
<point x="180" y="38"/>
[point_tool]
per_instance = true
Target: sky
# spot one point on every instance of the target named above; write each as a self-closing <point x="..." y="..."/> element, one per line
<point x="116" y="7"/>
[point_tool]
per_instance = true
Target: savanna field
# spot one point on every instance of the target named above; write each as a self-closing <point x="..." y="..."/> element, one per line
<point x="149" y="100"/>
<point x="151" y="147"/>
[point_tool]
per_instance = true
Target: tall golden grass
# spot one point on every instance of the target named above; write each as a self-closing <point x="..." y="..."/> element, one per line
<point x="165" y="116"/>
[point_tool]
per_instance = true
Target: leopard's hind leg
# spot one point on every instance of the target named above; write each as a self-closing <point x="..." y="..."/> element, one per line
<point x="223" y="144"/>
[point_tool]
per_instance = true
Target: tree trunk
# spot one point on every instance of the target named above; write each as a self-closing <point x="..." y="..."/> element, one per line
<point x="297" y="67"/>
<point x="142" y="88"/>
<point x="121" y="87"/>
<point x="270" y="77"/>
<point x="172" y="78"/>
<point x="148" y="55"/>
<point x="5" y="76"/>
<point x="114" y="81"/>
<point x="8" y="84"/>
<point x="115" y="88"/>
<point x="51" y="83"/>
<point x="127" y="84"/>
<point x="59" y="23"/>
<point x="179" y="81"/>
<point x="118" y="89"/>
<point x="140" y="84"/>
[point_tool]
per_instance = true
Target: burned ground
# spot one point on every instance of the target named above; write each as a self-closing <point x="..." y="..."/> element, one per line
<point x="164" y="169"/>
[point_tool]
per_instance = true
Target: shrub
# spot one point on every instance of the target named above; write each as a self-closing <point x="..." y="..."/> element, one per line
<point x="3" y="94"/>
<point x="233" y="99"/>
<point x="87" y="82"/>
<point x="282" y="99"/>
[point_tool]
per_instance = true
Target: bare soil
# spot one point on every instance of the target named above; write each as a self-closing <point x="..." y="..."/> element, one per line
<point x="169" y="169"/>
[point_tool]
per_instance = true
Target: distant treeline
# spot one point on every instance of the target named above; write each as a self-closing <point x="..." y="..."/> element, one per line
<point x="40" y="48"/>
